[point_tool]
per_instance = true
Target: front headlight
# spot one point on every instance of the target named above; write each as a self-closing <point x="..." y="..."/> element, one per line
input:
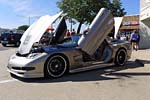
<point x="33" y="55"/>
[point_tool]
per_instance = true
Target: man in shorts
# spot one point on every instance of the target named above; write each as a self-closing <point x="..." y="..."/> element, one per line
<point x="134" y="40"/>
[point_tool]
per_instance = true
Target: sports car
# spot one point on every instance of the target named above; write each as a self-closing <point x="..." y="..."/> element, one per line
<point x="68" y="55"/>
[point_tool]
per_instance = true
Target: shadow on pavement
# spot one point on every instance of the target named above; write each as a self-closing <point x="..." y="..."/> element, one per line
<point x="93" y="75"/>
<point x="129" y="74"/>
<point x="142" y="62"/>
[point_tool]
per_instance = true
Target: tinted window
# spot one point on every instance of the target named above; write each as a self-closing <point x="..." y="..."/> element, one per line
<point x="4" y="35"/>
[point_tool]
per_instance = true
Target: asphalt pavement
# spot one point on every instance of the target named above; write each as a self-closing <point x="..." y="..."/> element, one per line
<point x="130" y="82"/>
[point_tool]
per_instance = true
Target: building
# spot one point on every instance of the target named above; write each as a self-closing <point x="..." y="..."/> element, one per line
<point x="3" y="30"/>
<point x="145" y="23"/>
<point x="130" y="23"/>
<point x="127" y="25"/>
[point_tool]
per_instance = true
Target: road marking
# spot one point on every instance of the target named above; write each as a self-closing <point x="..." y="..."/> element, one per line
<point x="8" y="81"/>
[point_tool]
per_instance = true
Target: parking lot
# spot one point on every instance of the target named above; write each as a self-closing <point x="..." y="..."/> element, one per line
<point x="130" y="82"/>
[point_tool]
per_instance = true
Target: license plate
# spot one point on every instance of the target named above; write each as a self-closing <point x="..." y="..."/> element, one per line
<point x="4" y="41"/>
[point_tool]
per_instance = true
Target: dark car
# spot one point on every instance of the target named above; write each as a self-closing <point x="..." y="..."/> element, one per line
<point x="10" y="38"/>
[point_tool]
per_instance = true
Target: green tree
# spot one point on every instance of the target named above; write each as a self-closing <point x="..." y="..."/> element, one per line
<point x="23" y="27"/>
<point x="117" y="11"/>
<point x="116" y="8"/>
<point x="84" y="11"/>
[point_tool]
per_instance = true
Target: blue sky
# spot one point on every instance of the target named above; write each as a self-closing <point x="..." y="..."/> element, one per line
<point x="131" y="6"/>
<point x="14" y="13"/>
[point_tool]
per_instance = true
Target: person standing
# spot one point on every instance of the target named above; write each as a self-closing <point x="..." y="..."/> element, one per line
<point x="68" y="34"/>
<point x="73" y="32"/>
<point x="134" y="39"/>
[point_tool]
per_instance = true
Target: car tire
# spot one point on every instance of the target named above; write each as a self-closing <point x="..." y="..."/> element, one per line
<point x="4" y="44"/>
<point x="121" y="57"/>
<point x="55" y="66"/>
<point x="17" y="44"/>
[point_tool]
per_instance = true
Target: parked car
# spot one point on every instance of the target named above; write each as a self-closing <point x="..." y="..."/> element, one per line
<point x="74" y="54"/>
<point x="10" y="38"/>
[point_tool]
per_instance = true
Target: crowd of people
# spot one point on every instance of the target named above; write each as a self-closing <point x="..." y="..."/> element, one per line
<point x="133" y="37"/>
<point x="68" y="33"/>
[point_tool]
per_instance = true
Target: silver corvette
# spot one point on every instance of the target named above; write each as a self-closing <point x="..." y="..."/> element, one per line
<point x="74" y="54"/>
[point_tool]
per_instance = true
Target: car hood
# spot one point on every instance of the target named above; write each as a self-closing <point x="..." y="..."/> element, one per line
<point x="35" y="31"/>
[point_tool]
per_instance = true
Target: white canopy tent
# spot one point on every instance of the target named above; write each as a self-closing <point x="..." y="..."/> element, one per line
<point x="118" y="21"/>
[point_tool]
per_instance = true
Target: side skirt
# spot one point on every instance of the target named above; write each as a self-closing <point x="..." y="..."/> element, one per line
<point x="95" y="66"/>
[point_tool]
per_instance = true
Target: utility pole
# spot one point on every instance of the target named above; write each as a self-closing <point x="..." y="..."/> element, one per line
<point x="29" y="20"/>
<point x="70" y="24"/>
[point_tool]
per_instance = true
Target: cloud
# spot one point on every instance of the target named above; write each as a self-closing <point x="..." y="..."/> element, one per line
<point x="18" y="6"/>
<point x="30" y="8"/>
<point x="27" y="11"/>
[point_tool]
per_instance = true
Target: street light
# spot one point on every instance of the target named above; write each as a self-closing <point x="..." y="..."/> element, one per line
<point x="29" y="18"/>
<point x="32" y="18"/>
<point x="70" y="24"/>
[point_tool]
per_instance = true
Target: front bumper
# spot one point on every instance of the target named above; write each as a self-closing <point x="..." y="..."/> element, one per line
<point x="26" y="68"/>
<point x="25" y="74"/>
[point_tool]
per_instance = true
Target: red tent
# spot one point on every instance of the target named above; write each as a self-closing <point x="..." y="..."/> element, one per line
<point x="50" y="29"/>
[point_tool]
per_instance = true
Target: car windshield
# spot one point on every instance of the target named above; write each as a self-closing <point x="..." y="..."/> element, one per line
<point x="70" y="42"/>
